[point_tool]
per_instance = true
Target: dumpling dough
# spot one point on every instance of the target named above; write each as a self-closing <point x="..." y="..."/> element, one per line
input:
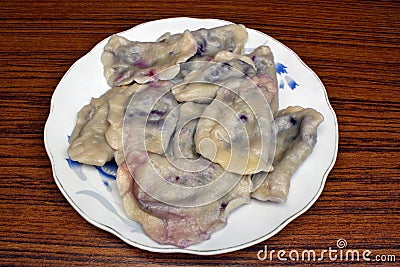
<point x="235" y="130"/>
<point x="202" y="84"/>
<point x="296" y="137"/>
<point x="88" y="144"/>
<point x="183" y="143"/>
<point x="265" y="65"/>
<point x="180" y="182"/>
<point x="127" y="61"/>
<point x="152" y="225"/>
<point x="91" y="147"/>
<point x="117" y="104"/>
<point x="117" y="107"/>
<point x="150" y="118"/>
<point x="172" y="225"/>
<point x="229" y="38"/>
<point x="211" y="41"/>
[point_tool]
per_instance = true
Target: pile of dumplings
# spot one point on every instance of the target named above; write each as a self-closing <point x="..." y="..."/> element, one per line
<point x="194" y="126"/>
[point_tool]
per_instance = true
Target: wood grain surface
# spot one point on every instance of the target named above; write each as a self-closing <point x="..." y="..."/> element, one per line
<point x="353" y="46"/>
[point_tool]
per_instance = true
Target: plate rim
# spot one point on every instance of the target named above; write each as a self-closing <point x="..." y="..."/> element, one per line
<point x="188" y="250"/>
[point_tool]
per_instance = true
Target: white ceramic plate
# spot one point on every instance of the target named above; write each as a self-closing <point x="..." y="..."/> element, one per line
<point x="92" y="192"/>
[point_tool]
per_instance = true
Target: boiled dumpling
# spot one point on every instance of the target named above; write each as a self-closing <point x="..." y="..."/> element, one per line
<point x="211" y="41"/>
<point x="174" y="224"/>
<point x="126" y="61"/>
<point x="265" y="65"/>
<point x="88" y="143"/>
<point x="235" y="130"/>
<point x="296" y="130"/>
<point x="117" y="106"/>
<point x="150" y="118"/>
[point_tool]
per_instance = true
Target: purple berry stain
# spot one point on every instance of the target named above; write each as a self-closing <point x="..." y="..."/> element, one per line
<point x="243" y="118"/>
<point x="223" y="206"/>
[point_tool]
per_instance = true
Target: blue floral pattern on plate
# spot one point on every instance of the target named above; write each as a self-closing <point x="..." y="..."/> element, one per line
<point x="107" y="172"/>
<point x="284" y="78"/>
<point x="77" y="168"/>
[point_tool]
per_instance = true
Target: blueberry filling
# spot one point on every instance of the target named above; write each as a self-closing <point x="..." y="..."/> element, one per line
<point x="156" y="112"/>
<point x="202" y="47"/>
<point x="226" y="66"/>
<point x="261" y="64"/>
<point x="155" y="115"/>
<point x="230" y="45"/>
<point x="132" y="58"/>
<point x="246" y="68"/>
<point x="243" y="118"/>
<point x="215" y="73"/>
<point x="223" y="206"/>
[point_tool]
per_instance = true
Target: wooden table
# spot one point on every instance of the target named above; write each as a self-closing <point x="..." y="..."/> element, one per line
<point x="353" y="47"/>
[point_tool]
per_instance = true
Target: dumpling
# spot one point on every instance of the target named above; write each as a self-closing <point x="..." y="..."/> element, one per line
<point x="211" y="41"/>
<point x="117" y="106"/>
<point x="150" y="118"/>
<point x="265" y="65"/>
<point x="172" y="224"/>
<point x="229" y="38"/>
<point x="236" y="131"/>
<point x="90" y="146"/>
<point x="88" y="143"/>
<point x="296" y="136"/>
<point x="152" y="225"/>
<point x="126" y="61"/>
